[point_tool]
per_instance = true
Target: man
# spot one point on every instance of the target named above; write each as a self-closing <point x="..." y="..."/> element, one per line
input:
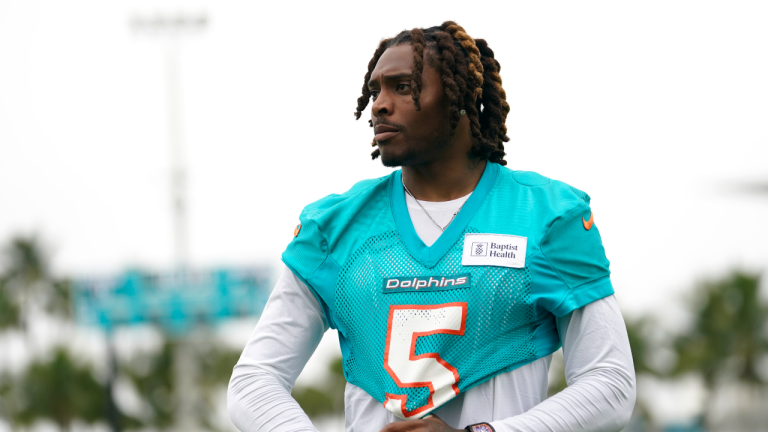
<point x="451" y="281"/>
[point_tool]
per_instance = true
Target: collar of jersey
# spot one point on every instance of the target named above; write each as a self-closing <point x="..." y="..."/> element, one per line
<point x="430" y="255"/>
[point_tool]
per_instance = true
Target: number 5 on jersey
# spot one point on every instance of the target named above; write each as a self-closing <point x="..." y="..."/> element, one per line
<point x="407" y="323"/>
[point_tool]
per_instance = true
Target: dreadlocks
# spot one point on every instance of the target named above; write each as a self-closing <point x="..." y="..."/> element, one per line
<point x="470" y="76"/>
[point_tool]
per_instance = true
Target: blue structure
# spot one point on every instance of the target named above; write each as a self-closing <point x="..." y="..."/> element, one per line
<point x="176" y="302"/>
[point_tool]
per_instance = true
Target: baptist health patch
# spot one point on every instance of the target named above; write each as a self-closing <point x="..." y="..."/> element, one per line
<point x="501" y="250"/>
<point x="425" y="283"/>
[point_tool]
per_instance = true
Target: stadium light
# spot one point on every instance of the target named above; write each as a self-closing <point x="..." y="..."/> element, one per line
<point x="170" y="28"/>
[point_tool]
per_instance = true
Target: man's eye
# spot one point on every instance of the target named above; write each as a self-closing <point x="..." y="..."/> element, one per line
<point x="403" y="87"/>
<point x="374" y="94"/>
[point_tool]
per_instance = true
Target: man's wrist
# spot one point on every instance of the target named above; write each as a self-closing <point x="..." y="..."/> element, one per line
<point x="480" y="427"/>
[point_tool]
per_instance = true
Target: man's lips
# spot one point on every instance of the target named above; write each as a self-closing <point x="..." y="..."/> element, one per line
<point x="385" y="135"/>
<point x="385" y="132"/>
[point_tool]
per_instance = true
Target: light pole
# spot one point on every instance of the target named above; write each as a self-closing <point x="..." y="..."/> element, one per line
<point x="171" y="28"/>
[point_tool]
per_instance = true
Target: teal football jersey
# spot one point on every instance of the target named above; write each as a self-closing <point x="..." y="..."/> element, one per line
<point x="418" y="325"/>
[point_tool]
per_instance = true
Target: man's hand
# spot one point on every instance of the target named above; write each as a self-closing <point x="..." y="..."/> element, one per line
<point x="431" y="423"/>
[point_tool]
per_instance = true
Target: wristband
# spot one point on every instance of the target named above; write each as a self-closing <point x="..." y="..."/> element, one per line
<point x="480" y="427"/>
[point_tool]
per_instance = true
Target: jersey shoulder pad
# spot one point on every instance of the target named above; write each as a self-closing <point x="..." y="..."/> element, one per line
<point x="570" y="267"/>
<point x="530" y="178"/>
<point x="332" y="225"/>
<point x="358" y="193"/>
<point x="548" y="196"/>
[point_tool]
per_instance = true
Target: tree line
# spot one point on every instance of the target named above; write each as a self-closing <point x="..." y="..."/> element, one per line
<point x="725" y="343"/>
<point x="57" y="385"/>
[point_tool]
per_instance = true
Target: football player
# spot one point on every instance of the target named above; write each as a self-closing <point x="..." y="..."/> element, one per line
<point x="450" y="281"/>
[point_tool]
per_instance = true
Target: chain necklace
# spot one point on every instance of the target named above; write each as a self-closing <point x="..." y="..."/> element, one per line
<point x="442" y="228"/>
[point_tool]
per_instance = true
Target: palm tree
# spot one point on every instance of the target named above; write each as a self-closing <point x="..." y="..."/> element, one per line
<point x="27" y="281"/>
<point x="728" y="335"/>
<point x="152" y="377"/>
<point x="59" y="390"/>
<point x="215" y="362"/>
<point x="9" y="310"/>
<point x="25" y="271"/>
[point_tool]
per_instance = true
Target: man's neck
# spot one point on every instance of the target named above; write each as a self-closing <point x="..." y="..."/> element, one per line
<point x="443" y="180"/>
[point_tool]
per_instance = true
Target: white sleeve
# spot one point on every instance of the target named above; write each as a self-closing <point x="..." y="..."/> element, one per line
<point x="288" y="332"/>
<point x="599" y="371"/>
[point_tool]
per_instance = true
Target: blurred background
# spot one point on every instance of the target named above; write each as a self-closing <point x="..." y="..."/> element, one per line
<point x="155" y="156"/>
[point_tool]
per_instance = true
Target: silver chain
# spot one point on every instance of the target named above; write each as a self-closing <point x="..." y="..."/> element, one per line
<point x="442" y="228"/>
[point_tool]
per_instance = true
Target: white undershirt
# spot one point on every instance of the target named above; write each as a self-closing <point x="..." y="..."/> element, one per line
<point x="598" y="366"/>
<point x="442" y="212"/>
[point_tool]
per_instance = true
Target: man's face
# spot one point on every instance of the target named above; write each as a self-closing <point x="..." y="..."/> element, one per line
<point x="406" y="136"/>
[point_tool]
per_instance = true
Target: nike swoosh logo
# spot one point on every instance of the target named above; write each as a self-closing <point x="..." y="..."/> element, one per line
<point x="588" y="223"/>
<point x="298" y="228"/>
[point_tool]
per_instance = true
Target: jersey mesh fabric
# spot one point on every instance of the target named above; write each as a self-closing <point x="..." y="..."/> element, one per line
<point x="350" y="243"/>
<point x="499" y="329"/>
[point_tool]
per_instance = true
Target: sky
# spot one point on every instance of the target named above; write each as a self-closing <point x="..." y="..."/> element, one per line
<point x="654" y="109"/>
<point x="657" y="109"/>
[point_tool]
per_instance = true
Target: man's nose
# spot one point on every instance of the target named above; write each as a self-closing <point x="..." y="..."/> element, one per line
<point x="382" y="105"/>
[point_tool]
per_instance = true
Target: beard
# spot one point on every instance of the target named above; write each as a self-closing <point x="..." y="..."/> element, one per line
<point x="415" y="152"/>
<point x="394" y="159"/>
